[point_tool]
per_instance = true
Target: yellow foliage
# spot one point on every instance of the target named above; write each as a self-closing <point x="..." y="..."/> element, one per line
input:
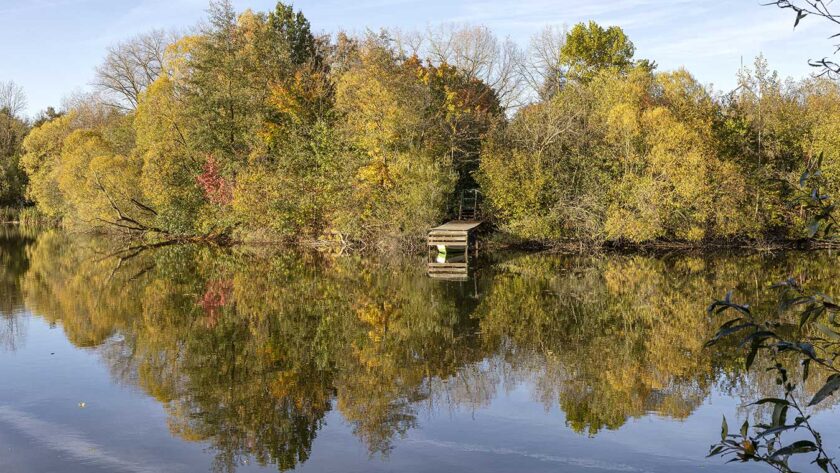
<point x="42" y="151"/>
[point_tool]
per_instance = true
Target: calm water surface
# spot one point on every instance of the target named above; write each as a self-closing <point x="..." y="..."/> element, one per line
<point x="190" y="359"/>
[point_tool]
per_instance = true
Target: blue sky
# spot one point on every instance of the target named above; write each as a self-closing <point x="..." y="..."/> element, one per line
<point x="51" y="47"/>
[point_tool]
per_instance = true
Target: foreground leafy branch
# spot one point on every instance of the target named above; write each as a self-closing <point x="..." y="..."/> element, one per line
<point x="818" y="8"/>
<point x="808" y="195"/>
<point x="815" y="340"/>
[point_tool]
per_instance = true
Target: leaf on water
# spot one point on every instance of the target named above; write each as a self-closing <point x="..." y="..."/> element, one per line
<point x="827" y="390"/>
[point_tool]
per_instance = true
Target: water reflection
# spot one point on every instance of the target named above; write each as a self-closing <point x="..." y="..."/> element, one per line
<point x="249" y="349"/>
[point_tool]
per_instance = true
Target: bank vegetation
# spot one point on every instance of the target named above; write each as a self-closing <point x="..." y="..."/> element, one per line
<point x="250" y="127"/>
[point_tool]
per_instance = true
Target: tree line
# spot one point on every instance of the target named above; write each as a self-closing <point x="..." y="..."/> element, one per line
<point x="254" y="128"/>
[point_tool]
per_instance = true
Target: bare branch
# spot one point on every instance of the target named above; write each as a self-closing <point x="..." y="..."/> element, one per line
<point x="542" y="69"/>
<point x="479" y="54"/>
<point x="131" y="66"/>
<point x="12" y="98"/>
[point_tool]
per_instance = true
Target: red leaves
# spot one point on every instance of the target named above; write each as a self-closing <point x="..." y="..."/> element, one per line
<point x="217" y="189"/>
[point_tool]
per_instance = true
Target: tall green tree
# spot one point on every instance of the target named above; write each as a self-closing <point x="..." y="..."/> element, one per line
<point x="12" y="177"/>
<point x="590" y="48"/>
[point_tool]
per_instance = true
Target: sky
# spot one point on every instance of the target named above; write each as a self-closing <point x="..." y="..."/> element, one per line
<point x="51" y="47"/>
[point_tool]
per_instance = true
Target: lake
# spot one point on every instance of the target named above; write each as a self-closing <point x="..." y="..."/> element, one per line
<point x="190" y="358"/>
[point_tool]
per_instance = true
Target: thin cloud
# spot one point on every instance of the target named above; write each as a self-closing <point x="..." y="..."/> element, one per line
<point x="71" y="443"/>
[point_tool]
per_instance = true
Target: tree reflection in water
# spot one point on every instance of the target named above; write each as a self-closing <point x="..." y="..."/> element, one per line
<point x="248" y="349"/>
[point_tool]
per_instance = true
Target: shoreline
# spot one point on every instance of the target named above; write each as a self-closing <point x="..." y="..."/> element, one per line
<point x="495" y="241"/>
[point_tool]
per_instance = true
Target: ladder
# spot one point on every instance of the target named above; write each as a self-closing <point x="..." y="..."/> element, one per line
<point x="468" y="206"/>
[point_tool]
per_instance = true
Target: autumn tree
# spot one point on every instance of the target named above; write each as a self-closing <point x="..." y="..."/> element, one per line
<point x="623" y="155"/>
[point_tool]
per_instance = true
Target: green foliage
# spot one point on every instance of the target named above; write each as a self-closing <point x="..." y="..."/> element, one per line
<point x="590" y="48"/>
<point x="804" y="328"/>
<point x="292" y="31"/>
<point x="810" y="341"/>
<point x="41" y="159"/>
<point x="12" y="178"/>
<point x="628" y="155"/>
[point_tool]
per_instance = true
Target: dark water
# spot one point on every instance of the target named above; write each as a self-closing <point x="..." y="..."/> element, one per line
<point x="189" y="359"/>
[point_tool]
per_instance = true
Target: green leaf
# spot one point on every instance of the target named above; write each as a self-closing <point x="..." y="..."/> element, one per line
<point x="714" y="450"/>
<point x="776" y="430"/>
<point x="774" y="400"/>
<point x="756" y="344"/>
<point x="807" y="349"/>
<point x="799" y="16"/>
<point x="757" y="337"/>
<point x="779" y="415"/>
<point x="822" y="462"/>
<point x="745" y="428"/>
<point x="827" y="331"/>
<point x="724" y="429"/>
<point x="723" y="332"/>
<point x="801" y="446"/>
<point x="827" y="390"/>
<point x="813" y="228"/>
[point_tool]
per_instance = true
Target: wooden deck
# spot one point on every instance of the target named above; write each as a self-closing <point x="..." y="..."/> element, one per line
<point x="458" y="226"/>
<point x="453" y="268"/>
<point x="453" y="234"/>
